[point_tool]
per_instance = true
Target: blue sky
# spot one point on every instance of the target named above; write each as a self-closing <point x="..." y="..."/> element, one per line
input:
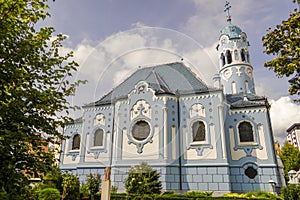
<point x="111" y="38"/>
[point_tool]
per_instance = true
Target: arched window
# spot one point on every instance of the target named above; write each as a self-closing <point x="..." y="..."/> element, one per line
<point x="248" y="57"/>
<point x="76" y="142"/>
<point x="233" y="87"/>
<point x="229" y="58"/>
<point x="222" y="59"/>
<point x="247" y="86"/>
<point x="198" y="129"/>
<point x="98" y="137"/>
<point x="243" y="57"/>
<point x="246" y="132"/>
<point x="236" y="55"/>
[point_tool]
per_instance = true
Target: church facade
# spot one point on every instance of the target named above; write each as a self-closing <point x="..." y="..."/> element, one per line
<point x="209" y="138"/>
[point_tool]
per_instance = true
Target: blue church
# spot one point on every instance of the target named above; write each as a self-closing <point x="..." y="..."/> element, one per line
<point x="209" y="138"/>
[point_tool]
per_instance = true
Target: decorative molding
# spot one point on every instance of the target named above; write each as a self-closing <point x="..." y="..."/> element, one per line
<point x="139" y="109"/>
<point x="73" y="153"/>
<point x="248" y="110"/>
<point x="99" y="119"/>
<point x="98" y="108"/>
<point x="197" y="109"/>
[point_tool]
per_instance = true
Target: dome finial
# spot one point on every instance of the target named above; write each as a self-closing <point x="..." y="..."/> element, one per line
<point x="227" y="8"/>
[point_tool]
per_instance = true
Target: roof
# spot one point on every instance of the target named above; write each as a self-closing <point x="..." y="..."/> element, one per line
<point x="168" y="78"/>
<point x="248" y="100"/>
<point x="294" y="126"/>
<point x="232" y="31"/>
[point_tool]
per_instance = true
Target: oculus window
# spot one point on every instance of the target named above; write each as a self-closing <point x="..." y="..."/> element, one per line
<point x="140" y="130"/>
<point x="198" y="129"/>
<point x="246" y="132"/>
<point x="98" y="137"/>
<point x="76" y="142"/>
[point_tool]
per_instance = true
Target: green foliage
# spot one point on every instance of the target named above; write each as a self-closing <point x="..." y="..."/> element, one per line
<point x="34" y="86"/>
<point x="143" y="180"/>
<point x="284" y="43"/>
<point x="291" y="192"/>
<point x="290" y="157"/>
<point x="52" y="179"/>
<point x="70" y="187"/>
<point x="198" y="194"/>
<point x="84" y="190"/>
<point x="254" y="195"/>
<point x="114" y="189"/>
<point x="49" y="194"/>
<point x="93" y="184"/>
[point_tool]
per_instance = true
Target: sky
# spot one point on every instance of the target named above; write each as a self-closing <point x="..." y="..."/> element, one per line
<point x="113" y="38"/>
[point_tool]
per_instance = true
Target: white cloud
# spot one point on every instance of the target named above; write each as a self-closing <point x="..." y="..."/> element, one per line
<point x="284" y="112"/>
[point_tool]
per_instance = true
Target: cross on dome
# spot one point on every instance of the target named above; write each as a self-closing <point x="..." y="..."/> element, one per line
<point x="227" y="8"/>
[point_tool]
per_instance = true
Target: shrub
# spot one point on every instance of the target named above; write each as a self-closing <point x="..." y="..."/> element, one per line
<point x="49" y="194"/>
<point x="198" y="194"/>
<point x="291" y="192"/>
<point x="143" y="180"/>
<point x="70" y="187"/>
<point x="114" y="189"/>
<point x="93" y="183"/>
<point x="52" y="179"/>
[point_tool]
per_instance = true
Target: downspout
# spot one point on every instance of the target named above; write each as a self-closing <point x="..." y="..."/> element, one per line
<point x="112" y="134"/>
<point x="179" y="141"/>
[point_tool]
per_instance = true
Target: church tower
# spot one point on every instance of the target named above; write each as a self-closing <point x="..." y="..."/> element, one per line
<point x="234" y="59"/>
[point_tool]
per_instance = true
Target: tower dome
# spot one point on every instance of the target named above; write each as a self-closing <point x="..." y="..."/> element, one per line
<point x="232" y="31"/>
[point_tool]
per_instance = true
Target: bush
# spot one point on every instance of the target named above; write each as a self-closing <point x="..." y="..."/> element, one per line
<point x="53" y="179"/>
<point x="114" y="189"/>
<point x="143" y="180"/>
<point x="291" y="192"/>
<point x="49" y="194"/>
<point x="93" y="183"/>
<point x="198" y="194"/>
<point x="70" y="187"/>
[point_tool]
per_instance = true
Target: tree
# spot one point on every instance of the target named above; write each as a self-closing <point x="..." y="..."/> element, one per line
<point x="93" y="183"/>
<point x="34" y="86"/>
<point x="290" y="157"/>
<point x="70" y="187"/>
<point x="284" y="43"/>
<point x="143" y="180"/>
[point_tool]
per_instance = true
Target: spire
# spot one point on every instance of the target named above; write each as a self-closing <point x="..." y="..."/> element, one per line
<point x="227" y="8"/>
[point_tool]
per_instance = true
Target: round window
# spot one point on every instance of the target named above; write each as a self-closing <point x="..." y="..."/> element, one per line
<point x="140" y="130"/>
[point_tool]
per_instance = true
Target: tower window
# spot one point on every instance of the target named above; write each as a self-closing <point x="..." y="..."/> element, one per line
<point x="98" y="137"/>
<point x="76" y="142"/>
<point x="233" y="87"/>
<point x="229" y="58"/>
<point x="222" y="59"/>
<point x="247" y="86"/>
<point x="248" y="57"/>
<point x="246" y="132"/>
<point x="198" y="129"/>
<point x="243" y="57"/>
<point x="236" y="55"/>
